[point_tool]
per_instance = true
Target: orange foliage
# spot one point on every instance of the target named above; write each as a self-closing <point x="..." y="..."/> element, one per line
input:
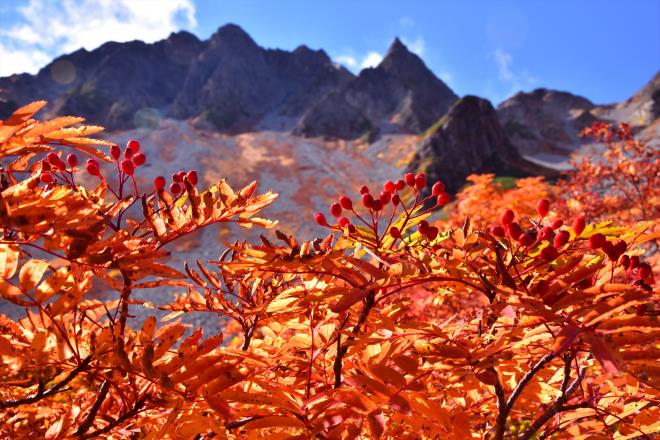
<point x="386" y="328"/>
<point x="485" y="198"/>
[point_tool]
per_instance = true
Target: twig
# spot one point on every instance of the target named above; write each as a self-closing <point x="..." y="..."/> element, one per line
<point x="127" y="415"/>
<point x="341" y="350"/>
<point x="41" y="394"/>
<point x="556" y="407"/>
<point x="505" y="410"/>
<point x="84" y="426"/>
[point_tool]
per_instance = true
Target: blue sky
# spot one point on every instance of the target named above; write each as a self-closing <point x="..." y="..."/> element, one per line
<point x="603" y="50"/>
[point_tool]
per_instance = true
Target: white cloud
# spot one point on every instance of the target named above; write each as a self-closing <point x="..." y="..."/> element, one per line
<point x="415" y="46"/>
<point x="517" y="81"/>
<point x="48" y="28"/>
<point x="372" y="59"/>
<point x="347" y="60"/>
<point x="15" y="61"/>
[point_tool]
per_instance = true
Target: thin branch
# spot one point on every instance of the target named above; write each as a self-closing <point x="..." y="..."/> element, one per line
<point x="501" y="406"/>
<point x="341" y="350"/>
<point x="41" y="394"/>
<point x="556" y="407"/>
<point x="239" y="423"/>
<point x="249" y="332"/>
<point x="127" y="415"/>
<point x="505" y="409"/>
<point x="89" y="420"/>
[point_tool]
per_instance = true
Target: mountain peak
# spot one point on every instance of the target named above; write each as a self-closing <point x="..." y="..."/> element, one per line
<point x="397" y="46"/>
<point x="399" y="56"/>
<point x="232" y="34"/>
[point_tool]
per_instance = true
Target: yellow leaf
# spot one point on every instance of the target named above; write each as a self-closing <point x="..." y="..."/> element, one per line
<point x="31" y="273"/>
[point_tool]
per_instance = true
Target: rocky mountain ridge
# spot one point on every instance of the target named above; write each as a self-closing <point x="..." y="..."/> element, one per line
<point x="229" y="84"/>
<point x="232" y="85"/>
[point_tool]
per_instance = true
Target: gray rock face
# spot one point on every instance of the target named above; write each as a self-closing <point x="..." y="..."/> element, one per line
<point x="545" y="121"/>
<point x="469" y="139"/>
<point x="110" y="84"/>
<point x="399" y="95"/>
<point x="234" y="83"/>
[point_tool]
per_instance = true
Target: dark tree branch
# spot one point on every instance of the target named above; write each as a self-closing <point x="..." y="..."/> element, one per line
<point x="501" y="406"/>
<point x="239" y="423"/>
<point x="556" y="407"/>
<point x="89" y="420"/>
<point x="127" y="415"/>
<point x="341" y="350"/>
<point x="41" y="394"/>
<point x="505" y="409"/>
<point x="249" y="332"/>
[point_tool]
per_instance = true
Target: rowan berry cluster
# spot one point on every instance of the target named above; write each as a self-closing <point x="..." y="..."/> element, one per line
<point x="177" y="187"/>
<point x="559" y="240"/>
<point x="391" y="199"/>
<point x="54" y="169"/>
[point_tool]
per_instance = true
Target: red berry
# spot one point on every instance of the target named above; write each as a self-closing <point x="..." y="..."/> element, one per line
<point x="400" y="184"/>
<point x="557" y="224"/>
<point x="45" y="165"/>
<point x="394" y="232"/>
<point x="378" y="205"/>
<point x="60" y="165"/>
<point x="608" y="248"/>
<point x="128" y="152"/>
<point x="410" y="179"/>
<point x="115" y="152"/>
<point x="438" y="188"/>
<point x="335" y="209"/>
<point x="175" y="188"/>
<point x="542" y="207"/>
<point x="546" y="233"/>
<point x="134" y="145"/>
<point x="46" y="178"/>
<point x="396" y="200"/>
<point x="192" y="178"/>
<point x="364" y="189"/>
<point x="507" y="217"/>
<point x="178" y="176"/>
<point x="597" y="241"/>
<point x="634" y="262"/>
<point x="159" y="183"/>
<point x="526" y="240"/>
<point x="620" y="247"/>
<point x="432" y="233"/>
<point x="549" y="253"/>
<point x="423" y="227"/>
<point x="139" y="159"/>
<point x="420" y="181"/>
<point x="72" y="160"/>
<point x="351" y="228"/>
<point x="625" y="261"/>
<point x="343" y="222"/>
<point x="497" y="231"/>
<point x="442" y="199"/>
<point x="127" y="167"/>
<point x="92" y="167"/>
<point x="318" y="218"/>
<point x="367" y="200"/>
<point x="514" y="230"/>
<point x="346" y="203"/>
<point x="53" y="158"/>
<point x="389" y="186"/>
<point x="644" y="270"/>
<point x="385" y="197"/>
<point x="578" y="225"/>
<point x="561" y="238"/>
